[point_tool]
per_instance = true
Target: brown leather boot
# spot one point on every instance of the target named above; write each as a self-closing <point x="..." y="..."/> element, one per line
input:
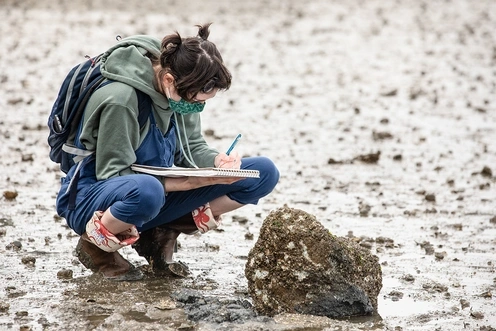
<point x="110" y="264"/>
<point x="158" y="245"/>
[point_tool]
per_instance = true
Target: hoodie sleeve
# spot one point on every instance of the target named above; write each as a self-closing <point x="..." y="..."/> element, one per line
<point x="189" y="127"/>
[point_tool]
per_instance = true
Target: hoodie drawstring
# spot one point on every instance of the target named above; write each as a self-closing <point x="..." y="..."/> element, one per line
<point x="190" y="158"/>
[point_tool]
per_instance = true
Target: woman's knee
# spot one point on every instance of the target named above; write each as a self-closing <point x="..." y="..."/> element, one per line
<point x="145" y="197"/>
<point x="268" y="172"/>
<point x="152" y="193"/>
<point x="256" y="188"/>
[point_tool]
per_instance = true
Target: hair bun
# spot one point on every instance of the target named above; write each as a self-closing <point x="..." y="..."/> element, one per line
<point x="203" y="31"/>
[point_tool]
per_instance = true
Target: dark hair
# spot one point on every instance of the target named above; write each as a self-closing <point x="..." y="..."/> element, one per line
<point x="195" y="63"/>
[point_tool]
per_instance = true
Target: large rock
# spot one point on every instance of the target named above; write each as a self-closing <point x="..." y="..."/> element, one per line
<point x="298" y="266"/>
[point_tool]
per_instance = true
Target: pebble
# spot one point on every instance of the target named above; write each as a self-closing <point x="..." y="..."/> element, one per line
<point x="364" y="209"/>
<point x="383" y="240"/>
<point x="487" y="295"/>
<point x="28" y="260"/>
<point x="396" y="295"/>
<point x="487" y="172"/>
<point x="430" y="197"/>
<point x="477" y="315"/>
<point x="464" y="303"/>
<point x="15" y="245"/>
<point x="408" y="278"/>
<point x="64" y="274"/>
<point x="240" y="219"/>
<point x="10" y="195"/>
<point x="4" y="307"/>
<point x="166" y="304"/>
<point x="440" y="255"/>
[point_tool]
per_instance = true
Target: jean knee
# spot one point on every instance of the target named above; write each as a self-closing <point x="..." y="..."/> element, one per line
<point x="151" y="194"/>
<point x="269" y="174"/>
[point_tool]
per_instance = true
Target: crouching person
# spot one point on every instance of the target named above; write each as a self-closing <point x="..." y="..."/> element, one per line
<point x="109" y="205"/>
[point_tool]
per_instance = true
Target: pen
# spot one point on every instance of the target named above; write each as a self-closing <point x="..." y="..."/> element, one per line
<point x="235" y="141"/>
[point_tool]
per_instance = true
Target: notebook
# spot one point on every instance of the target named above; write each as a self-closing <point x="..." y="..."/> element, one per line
<point x="196" y="172"/>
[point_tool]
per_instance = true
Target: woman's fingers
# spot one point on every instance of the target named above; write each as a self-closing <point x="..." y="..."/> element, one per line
<point x="232" y="160"/>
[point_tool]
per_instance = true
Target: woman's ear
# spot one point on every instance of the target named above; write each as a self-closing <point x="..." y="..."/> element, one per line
<point x="168" y="80"/>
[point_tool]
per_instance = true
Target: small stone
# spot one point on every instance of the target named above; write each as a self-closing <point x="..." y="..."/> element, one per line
<point x="186" y="327"/>
<point x="209" y="132"/>
<point x="389" y="92"/>
<point x="430" y="197"/>
<point x="212" y="248"/>
<point x="249" y="236"/>
<point x="15" y="245"/>
<point x="366" y="244"/>
<point x="408" y="278"/>
<point x="396" y="294"/>
<point x="64" y="274"/>
<point x="381" y="135"/>
<point x="364" y="209"/>
<point x="383" y="240"/>
<point x="464" y="303"/>
<point x="440" y="255"/>
<point x="428" y="247"/>
<point x="477" y="315"/>
<point x="487" y="295"/>
<point x="10" y="195"/>
<point x="370" y="158"/>
<point x="28" y="260"/>
<point x="493" y="220"/>
<point x="487" y="172"/>
<point x="458" y="226"/>
<point x="333" y="161"/>
<point x="4" y="307"/>
<point x="240" y="219"/>
<point x="27" y="157"/>
<point x="166" y="304"/>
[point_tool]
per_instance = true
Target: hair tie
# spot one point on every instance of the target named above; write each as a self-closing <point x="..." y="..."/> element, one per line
<point x="170" y="46"/>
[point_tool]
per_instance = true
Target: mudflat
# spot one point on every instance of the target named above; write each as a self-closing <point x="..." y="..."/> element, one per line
<point x="379" y="114"/>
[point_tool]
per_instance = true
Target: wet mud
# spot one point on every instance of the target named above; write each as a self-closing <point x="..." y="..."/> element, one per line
<point x="379" y="114"/>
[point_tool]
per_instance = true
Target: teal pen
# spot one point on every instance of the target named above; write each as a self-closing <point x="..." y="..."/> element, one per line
<point x="229" y="150"/>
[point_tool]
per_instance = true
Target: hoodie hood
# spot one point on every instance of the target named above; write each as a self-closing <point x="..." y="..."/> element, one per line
<point x="127" y="62"/>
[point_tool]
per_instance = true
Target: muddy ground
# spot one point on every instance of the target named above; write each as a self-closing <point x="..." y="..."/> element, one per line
<point x="380" y="115"/>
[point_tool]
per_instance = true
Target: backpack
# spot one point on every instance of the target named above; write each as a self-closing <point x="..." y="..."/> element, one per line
<point x="68" y="110"/>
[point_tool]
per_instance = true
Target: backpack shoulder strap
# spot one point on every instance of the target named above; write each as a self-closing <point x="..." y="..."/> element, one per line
<point x="144" y="107"/>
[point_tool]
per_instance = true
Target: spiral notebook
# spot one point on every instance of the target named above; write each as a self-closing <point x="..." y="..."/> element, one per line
<point x="196" y="172"/>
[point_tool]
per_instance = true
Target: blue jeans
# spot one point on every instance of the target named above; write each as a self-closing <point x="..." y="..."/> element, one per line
<point x="140" y="199"/>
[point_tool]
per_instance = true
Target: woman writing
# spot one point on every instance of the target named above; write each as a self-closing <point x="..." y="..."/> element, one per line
<point x="116" y="207"/>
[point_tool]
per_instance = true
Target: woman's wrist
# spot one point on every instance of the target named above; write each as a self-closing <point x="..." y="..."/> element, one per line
<point x="176" y="184"/>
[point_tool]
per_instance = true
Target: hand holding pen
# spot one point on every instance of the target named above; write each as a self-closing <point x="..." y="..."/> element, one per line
<point x="230" y="159"/>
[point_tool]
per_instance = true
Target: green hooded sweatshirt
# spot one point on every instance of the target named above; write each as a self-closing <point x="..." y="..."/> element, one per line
<point x="110" y="121"/>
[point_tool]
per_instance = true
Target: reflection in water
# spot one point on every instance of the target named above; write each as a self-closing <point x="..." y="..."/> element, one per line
<point x="101" y="300"/>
